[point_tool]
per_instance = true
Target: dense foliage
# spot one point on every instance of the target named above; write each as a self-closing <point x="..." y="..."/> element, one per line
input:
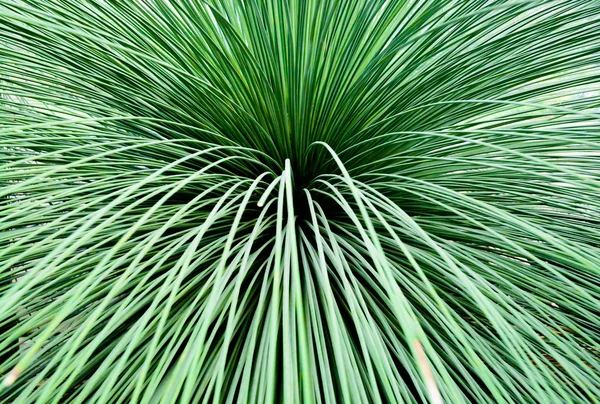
<point x="299" y="201"/>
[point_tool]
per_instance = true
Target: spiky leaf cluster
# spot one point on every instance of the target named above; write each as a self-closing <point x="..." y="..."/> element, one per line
<point x="292" y="201"/>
